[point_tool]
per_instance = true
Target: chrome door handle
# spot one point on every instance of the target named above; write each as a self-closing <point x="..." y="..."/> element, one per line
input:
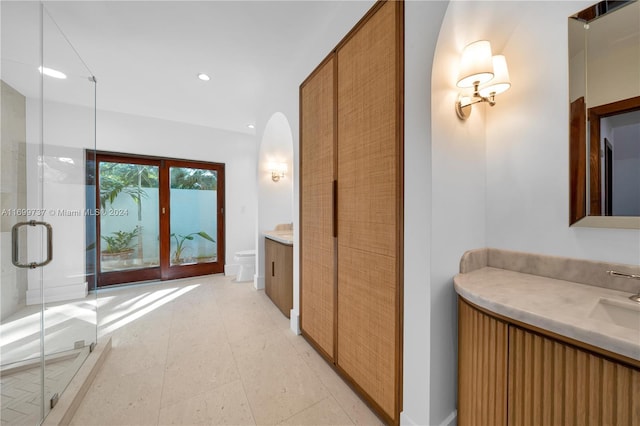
<point x="15" y="245"/>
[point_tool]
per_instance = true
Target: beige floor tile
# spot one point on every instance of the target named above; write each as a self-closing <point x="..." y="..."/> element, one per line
<point x="277" y="381"/>
<point x="225" y="405"/>
<point x="196" y="369"/>
<point x="352" y="404"/>
<point x="325" y="412"/>
<point x="250" y="320"/>
<point x="131" y="399"/>
<point x="132" y="358"/>
<point x="211" y="351"/>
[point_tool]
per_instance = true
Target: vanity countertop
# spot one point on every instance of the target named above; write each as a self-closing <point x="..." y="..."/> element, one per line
<point x="283" y="236"/>
<point x="560" y="306"/>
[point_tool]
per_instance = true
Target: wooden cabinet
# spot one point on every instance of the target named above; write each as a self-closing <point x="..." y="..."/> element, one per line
<point x="278" y="281"/>
<point x="317" y="177"/>
<point x="509" y="375"/>
<point x="482" y="368"/>
<point x="351" y="207"/>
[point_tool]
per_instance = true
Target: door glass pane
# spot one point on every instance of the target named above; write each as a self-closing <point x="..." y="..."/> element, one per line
<point x="193" y="209"/>
<point x="129" y="219"/>
<point x="67" y="286"/>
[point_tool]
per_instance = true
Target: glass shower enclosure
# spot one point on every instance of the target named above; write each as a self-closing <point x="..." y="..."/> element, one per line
<point x="48" y="311"/>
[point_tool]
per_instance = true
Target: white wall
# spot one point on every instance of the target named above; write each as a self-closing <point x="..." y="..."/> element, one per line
<point x="500" y="179"/>
<point x="142" y="135"/>
<point x="275" y="199"/>
<point x="613" y="57"/>
<point x="422" y="24"/>
<point x="626" y="170"/>
<point x="527" y="154"/>
<point x="13" y="189"/>
<point x="458" y="194"/>
<point x="125" y="133"/>
<point x="282" y="96"/>
<point x="56" y="182"/>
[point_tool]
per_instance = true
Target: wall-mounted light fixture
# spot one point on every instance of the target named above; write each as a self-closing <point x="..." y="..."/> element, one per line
<point x="486" y="74"/>
<point x="277" y="171"/>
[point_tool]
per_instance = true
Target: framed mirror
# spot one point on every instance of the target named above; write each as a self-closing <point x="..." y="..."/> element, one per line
<point x="604" y="115"/>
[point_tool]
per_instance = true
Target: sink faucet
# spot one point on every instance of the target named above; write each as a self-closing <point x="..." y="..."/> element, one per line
<point x="634" y="297"/>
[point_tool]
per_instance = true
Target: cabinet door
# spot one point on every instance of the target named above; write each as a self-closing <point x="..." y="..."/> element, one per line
<point x="482" y="368"/>
<point x="551" y="383"/>
<point x="269" y="267"/>
<point x="369" y="95"/>
<point x="317" y="173"/>
<point x="283" y="280"/>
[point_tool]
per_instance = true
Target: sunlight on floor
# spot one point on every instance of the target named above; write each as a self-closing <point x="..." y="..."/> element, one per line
<point x="143" y="305"/>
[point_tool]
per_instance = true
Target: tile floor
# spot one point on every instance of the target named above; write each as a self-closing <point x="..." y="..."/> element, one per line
<point x="210" y="351"/>
<point x="22" y="391"/>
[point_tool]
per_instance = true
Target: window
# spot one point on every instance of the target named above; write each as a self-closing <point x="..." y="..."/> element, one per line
<point x="159" y="218"/>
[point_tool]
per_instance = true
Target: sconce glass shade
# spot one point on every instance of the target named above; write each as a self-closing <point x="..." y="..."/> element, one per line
<point x="476" y="65"/>
<point x="501" y="81"/>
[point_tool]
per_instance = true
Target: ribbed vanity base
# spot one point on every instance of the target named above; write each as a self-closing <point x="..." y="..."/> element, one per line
<point x="482" y="376"/>
<point x="551" y="383"/>
<point x="512" y="376"/>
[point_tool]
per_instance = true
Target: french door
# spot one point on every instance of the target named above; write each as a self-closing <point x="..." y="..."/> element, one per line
<point x="158" y="219"/>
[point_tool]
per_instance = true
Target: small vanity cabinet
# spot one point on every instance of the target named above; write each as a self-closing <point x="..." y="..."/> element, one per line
<point x="533" y="348"/>
<point x="509" y="375"/>
<point x="278" y="280"/>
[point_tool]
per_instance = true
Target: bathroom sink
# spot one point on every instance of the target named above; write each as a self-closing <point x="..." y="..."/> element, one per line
<point x="617" y="312"/>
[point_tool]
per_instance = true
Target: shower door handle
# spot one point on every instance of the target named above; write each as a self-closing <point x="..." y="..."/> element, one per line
<point x="15" y="245"/>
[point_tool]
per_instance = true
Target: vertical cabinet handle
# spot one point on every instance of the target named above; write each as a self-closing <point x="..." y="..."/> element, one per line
<point x="273" y="269"/>
<point x="335" y="208"/>
<point x="15" y="245"/>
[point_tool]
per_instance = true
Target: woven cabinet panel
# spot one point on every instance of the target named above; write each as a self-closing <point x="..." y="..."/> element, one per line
<point x="369" y="195"/>
<point x="317" y="244"/>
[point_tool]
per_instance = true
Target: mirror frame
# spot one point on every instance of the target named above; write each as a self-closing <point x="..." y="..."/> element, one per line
<point x="582" y="203"/>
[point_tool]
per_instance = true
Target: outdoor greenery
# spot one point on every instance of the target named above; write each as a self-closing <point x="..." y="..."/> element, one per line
<point x="186" y="178"/>
<point x="119" y="241"/>
<point x="181" y="239"/>
<point x="141" y="182"/>
<point x="130" y="179"/>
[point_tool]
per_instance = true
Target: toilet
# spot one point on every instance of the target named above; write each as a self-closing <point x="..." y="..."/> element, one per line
<point x="246" y="259"/>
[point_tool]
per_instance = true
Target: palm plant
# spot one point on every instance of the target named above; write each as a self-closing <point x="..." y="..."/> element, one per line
<point x="119" y="241"/>
<point x="130" y="179"/>
<point x="181" y="239"/>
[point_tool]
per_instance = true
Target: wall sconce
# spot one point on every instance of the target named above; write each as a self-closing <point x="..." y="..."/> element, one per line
<point x="486" y="74"/>
<point x="277" y="171"/>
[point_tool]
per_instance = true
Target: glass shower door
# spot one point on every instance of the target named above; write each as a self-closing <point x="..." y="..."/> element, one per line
<point x="68" y="198"/>
<point x="48" y="322"/>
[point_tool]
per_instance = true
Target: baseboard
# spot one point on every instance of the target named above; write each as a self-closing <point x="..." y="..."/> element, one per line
<point x="57" y="294"/>
<point x="231" y="269"/>
<point x="406" y="420"/>
<point x="294" y="321"/>
<point x="73" y="395"/>
<point x="258" y="282"/>
<point x="451" y="420"/>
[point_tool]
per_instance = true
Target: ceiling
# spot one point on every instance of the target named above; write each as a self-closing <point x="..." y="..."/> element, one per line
<point x="146" y="55"/>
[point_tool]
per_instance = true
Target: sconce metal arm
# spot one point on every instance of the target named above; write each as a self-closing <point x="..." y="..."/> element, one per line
<point x="464" y="111"/>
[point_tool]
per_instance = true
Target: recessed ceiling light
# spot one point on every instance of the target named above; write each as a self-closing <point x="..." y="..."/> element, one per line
<point x="52" y="73"/>
<point x="251" y="126"/>
<point x="204" y="77"/>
